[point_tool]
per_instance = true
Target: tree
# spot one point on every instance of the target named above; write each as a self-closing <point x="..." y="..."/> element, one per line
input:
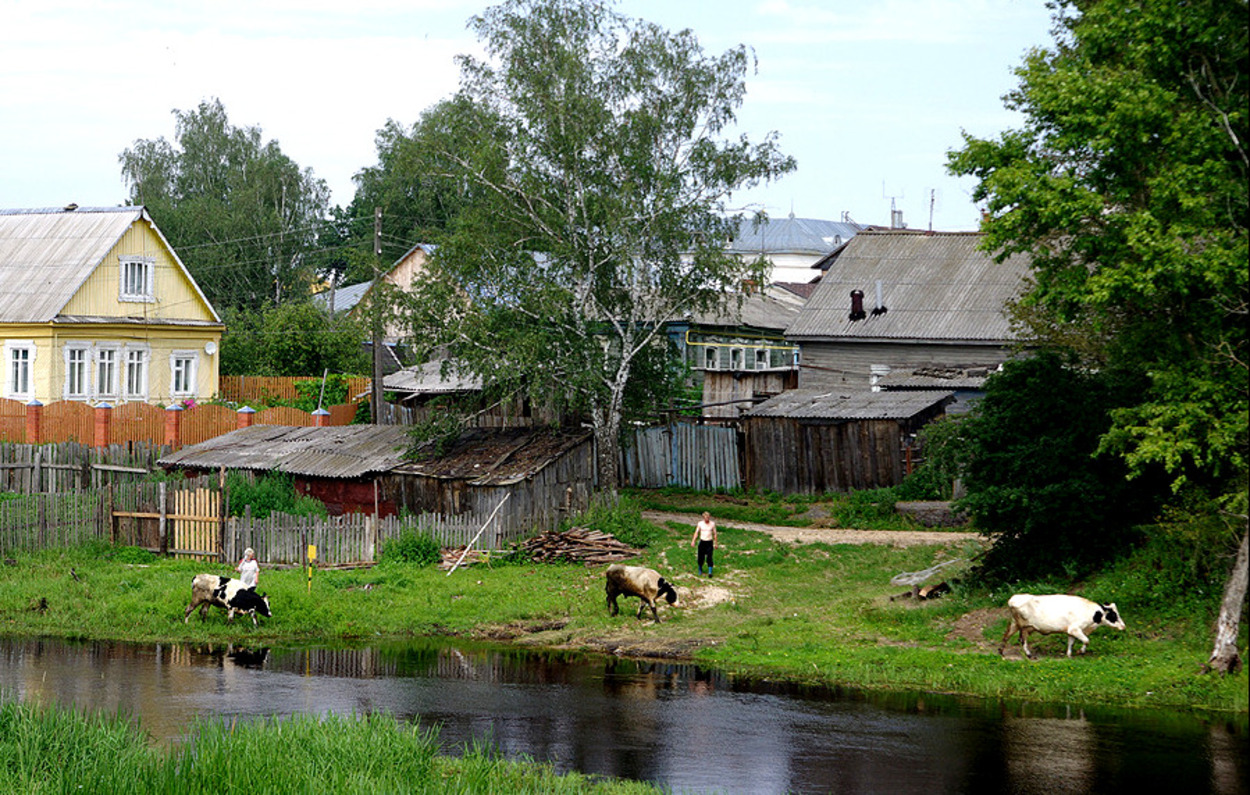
<point x="1127" y="185"/>
<point x="295" y="339"/>
<point x="594" y="180"/>
<point x="242" y="215"/>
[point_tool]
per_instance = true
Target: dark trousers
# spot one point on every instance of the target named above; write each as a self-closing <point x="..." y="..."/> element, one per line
<point x="705" y="553"/>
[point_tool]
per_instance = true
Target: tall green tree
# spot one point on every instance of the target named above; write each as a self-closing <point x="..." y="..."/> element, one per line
<point x="294" y="339"/>
<point x="1127" y="184"/>
<point x="595" y="171"/>
<point x="243" y="216"/>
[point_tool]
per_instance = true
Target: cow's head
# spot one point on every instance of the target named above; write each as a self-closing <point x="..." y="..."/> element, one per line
<point x="263" y="606"/>
<point x="1110" y="616"/>
<point x="666" y="589"/>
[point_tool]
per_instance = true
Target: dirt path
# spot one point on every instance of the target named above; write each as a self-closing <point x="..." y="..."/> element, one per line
<point x="827" y="535"/>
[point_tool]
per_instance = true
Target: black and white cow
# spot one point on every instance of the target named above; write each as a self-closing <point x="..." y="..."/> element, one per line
<point x="228" y="594"/>
<point x="646" y="584"/>
<point x="1073" y="615"/>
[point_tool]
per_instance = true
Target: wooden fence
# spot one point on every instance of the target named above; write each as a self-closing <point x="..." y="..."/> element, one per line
<point x="703" y="457"/>
<point x="69" y="466"/>
<point x="256" y="388"/>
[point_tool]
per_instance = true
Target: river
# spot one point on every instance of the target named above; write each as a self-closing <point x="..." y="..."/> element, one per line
<point x="677" y="725"/>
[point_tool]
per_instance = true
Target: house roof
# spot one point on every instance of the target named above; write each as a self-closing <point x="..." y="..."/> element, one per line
<point x="792" y="235"/>
<point x="772" y="308"/>
<point x="498" y="457"/>
<point x="427" y="379"/>
<point x="952" y="377"/>
<point x="935" y="286"/>
<point x="346" y="298"/>
<point x="348" y="451"/>
<point x="827" y="404"/>
<point x="47" y="254"/>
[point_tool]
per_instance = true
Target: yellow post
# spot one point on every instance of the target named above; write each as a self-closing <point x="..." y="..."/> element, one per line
<point x="312" y="556"/>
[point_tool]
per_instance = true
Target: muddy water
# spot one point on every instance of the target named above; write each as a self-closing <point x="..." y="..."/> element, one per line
<point x="676" y="725"/>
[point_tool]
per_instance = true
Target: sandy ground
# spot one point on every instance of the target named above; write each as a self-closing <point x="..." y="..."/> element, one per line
<point x="828" y="535"/>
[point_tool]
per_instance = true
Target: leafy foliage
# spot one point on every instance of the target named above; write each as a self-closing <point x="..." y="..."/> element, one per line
<point x="271" y="492"/>
<point x="591" y="177"/>
<point x="411" y="547"/>
<point x="241" y="214"/>
<point x="1036" y="479"/>
<point x="294" y="339"/>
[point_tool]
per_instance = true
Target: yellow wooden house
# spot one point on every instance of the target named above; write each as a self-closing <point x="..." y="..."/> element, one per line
<point x="95" y="306"/>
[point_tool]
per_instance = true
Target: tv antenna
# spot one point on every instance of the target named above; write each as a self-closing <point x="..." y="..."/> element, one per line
<point x="896" y="215"/>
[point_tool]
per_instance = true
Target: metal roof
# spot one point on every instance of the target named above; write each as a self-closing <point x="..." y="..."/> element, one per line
<point x="427" y="379"/>
<point x="792" y="235"/>
<point x="344" y="297"/>
<point x="498" y="457"/>
<point x="827" y="404"/>
<point x="773" y="308"/>
<point x="47" y="254"/>
<point x="347" y="451"/>
<point x="935" y="286"/>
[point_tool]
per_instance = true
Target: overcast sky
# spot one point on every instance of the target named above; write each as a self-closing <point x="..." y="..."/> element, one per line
<point x="868" y="96"/>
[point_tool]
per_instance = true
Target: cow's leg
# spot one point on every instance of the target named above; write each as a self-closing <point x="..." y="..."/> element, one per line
<point x="612" y="608"/>
<point x="1011" y="627"/>
<point x="186" y="615"/>
<point x="1075" y="634"/>
<point x="255" y="623"/>
<point x="1024" y="642"/>
<point x="230" y="615"/>
<point x="654" y="613"/>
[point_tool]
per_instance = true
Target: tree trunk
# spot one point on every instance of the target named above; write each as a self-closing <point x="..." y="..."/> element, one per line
<point x="1224" y="657"/>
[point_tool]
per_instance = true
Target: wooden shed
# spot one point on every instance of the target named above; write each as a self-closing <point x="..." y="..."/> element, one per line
<point x="809" y="441"/>
<point x="544" y="474"/>
<point x="338" y="465"/>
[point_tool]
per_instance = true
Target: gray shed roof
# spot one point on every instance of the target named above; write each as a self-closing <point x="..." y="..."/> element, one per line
<point x="773" y="308"/>
<point x="347" y="451"/>
<point x="935" y="286"/>
<point x="47" y="254"/>
<point x="427" y="379"/>
<point x="344" y="297"/>
<point x="824" y="404"/>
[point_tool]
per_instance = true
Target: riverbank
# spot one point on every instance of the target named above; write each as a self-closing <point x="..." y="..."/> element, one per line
<point x="811" y="612"/>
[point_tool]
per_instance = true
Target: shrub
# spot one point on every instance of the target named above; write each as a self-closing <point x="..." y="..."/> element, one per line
<point x="272" y="492"/>
<point x="411" y="546"/>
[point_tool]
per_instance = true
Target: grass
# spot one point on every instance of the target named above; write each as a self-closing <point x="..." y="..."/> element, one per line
<point x="61" y="750"/>
<point x="812" y="613"/>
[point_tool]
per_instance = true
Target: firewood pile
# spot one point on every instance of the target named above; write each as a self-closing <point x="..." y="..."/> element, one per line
<point x="451" y="555"/>
<point x="578" y="544"/>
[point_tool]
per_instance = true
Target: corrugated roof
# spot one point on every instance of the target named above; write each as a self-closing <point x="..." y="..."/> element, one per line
<point x="935" y="286"/>
<point x="774" y="308"/>
<point x="47" y="254"/>
<point x="427" y="379"/>
<point x="827" y="404"/>
<point x="344" y="297"/>
<point x="348" y="451"/>
<point x="498" y="457"/>
<point x="792" y="235"/>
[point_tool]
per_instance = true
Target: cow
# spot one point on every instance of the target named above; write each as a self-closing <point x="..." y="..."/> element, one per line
<point x="646" y="584"/>
<point x="228" y="594"/>
<point x="1052" y="613"/>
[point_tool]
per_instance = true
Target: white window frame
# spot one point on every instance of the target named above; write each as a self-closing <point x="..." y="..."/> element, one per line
<point x="12" y="388"/>
<point x="107" y="371"/>
<point x="763" y="361"/>
<point x="737" y="359"/>
<point x="140" y="356"/>
<point x="191" y="374"/>
<point x="141" y="289"/>
<point x="711" y="358"/>
<point x="80" y="351"/>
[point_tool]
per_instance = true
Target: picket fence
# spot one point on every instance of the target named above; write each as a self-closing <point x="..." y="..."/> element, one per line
<point x="703" y="457"/>
<point x="184" y="519"/>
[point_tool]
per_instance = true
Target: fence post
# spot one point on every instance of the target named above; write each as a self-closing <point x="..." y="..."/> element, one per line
<point x="34" y="422"/>
<point x="161" y="543"/>
<point x="173" y="426"/>
<point x="103" y="418"/>
<point x="321" y="418"/>
<point x="245" y="417"/>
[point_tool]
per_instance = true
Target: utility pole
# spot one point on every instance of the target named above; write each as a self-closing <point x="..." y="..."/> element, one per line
<point x="375" y="312"/>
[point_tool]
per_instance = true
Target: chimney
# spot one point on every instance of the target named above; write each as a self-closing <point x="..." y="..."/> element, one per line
<point x="879" y="309"/>
<point x="896" y="219"/>
<point x="857" y="305"/>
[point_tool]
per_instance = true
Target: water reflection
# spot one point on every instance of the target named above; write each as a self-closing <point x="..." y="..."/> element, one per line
<point x="678" y="725"/>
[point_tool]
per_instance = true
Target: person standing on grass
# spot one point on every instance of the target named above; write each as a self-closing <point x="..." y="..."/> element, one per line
<point x="249" y="569"/>
<point x="705" y="537"/>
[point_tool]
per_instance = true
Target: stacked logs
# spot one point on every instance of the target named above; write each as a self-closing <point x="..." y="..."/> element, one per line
<point x="578" y="544"/>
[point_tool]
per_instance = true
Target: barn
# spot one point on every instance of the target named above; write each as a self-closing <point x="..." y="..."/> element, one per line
<point x="810" y="441"/>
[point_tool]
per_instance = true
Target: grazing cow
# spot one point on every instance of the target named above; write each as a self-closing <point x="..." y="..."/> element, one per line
<point x="1073" y="615"/>
<point x="228" y="594"/>
<point x="646" y="584"/>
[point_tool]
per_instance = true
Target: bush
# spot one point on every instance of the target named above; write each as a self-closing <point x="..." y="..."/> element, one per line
<point x="621" y="519"/>
<point x="272" y="492"/>
<point x="411" y="546"/>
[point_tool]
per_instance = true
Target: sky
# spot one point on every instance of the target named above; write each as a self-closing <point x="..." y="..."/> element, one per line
<point x="867" y="96"/>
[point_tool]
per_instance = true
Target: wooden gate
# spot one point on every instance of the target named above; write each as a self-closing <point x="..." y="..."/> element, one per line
<point x="197" y="524"/>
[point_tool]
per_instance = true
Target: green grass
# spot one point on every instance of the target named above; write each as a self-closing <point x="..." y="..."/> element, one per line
<point x="61" y="750"/>
<point x="865" y="510"/>
<point x="814" y="612"/>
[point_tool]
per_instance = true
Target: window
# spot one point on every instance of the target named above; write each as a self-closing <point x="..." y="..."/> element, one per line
<point x="711" y="358"/>
<point x="106" y="372"/>
<point x="136" y="373"/>
<point x="21" y="360"/>
<point x="736" y="357"/>
<point x="77" y="371"/>
<point x="182" y="366"/>
<point x="761" y="358"/>
<point x="137" y="282"/>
